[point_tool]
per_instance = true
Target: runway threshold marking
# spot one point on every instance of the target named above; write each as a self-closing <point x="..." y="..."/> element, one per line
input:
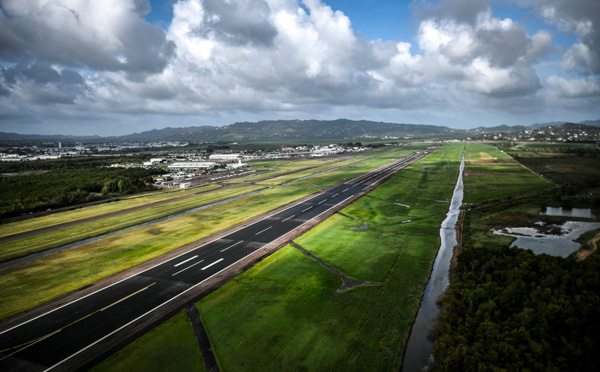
<point x="262" y="231"/>
<point x="192" y="265"/>
<point x="289" y="218"/>
<point x="29" y="343"/>
<point x="214" y="263"/>
<point x="189" y="259"/>
<point x="231" y="246"/>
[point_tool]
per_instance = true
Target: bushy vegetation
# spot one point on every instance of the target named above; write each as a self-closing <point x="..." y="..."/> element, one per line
<point x="39" y="185"/>
<point x="508" y="309"/>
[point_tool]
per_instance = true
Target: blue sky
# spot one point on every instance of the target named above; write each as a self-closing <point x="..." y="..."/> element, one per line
<point x="123" y="66"/>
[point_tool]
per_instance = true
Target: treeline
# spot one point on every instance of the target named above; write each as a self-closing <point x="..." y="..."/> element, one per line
<point x="508" y="309"/>
<point x="65" y="184"/>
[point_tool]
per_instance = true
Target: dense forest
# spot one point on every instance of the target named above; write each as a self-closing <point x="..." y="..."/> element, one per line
<point x="508" y="309"/>
<point x="40" y="185"/>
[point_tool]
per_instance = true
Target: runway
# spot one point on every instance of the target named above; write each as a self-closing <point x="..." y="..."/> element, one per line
<point x="49" y="341"/>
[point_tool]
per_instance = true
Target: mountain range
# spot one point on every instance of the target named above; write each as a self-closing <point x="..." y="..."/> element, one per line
<point x="287" y="130"/>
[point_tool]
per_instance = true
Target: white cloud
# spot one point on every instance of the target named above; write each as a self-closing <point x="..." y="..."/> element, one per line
<point x="277" y="57"/>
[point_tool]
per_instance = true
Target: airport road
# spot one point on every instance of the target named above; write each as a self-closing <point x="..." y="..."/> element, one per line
<point x="49" y="341"/>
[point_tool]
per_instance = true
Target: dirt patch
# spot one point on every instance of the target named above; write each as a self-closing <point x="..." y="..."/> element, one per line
<point x="485" y="156"/>
<point x="593" y="243"/>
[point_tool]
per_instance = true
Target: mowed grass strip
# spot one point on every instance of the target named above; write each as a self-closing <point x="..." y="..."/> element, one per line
<point x="343" y="174"/>
<point x="294" y="176"/>
<point x="285" y="312"/>
<point x="281" y="166"/>
<point x="42" y="242"/>
<point x="77" y="214"/>
<point x="169" y="347"/>
<point x="57" y="274"/>
<point x="491" y="174"/>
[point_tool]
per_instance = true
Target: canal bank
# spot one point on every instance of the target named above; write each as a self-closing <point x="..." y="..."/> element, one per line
<point x="419" y="347"/>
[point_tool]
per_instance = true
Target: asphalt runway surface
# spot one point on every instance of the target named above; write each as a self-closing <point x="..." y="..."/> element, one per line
<point x="50" y="340"/>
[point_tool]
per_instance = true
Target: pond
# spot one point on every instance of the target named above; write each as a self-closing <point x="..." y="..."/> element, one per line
<point x="568" y="212"/>
<point x="560" y="245"/>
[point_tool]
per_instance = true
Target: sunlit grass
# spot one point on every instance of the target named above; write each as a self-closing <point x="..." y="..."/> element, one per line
<point x="57" y="274"/>
<point x="285" y="313"/>
<point x="77" y="214"/>
<point x="39" y="243"/>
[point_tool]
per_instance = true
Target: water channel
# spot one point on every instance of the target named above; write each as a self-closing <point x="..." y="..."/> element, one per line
<point x="419" y="347"/>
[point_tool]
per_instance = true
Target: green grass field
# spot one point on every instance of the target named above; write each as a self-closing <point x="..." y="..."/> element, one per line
<point x="294" y="176"/>
<point x="77" y="214"/>
<point x="42" y="242"/>
<point x="60" y="273"/>
<point x="491" y="174"/>
<point x="285" y="313"/>
<point x="281" y="166"/>
<point x="169" y="347"/>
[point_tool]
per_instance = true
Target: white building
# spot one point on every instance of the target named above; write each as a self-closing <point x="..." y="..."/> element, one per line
<point x="184" y="185"/>
<point x="192" y="165"/>
<point x="225" y="157"/>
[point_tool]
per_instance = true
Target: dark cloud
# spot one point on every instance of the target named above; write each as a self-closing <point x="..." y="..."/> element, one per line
<point x="70" y="35"/>
<point x="458" y="10"/>
<point x="238" y="23"/>
<point x="42" y="84"/>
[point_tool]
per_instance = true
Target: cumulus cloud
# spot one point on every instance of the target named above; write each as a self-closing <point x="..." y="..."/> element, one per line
<point x="580" y="17"/>
<point x="101" y="35"/>
<point x="280" y="57"/>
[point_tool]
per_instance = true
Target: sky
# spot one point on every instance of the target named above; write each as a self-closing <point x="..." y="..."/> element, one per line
<point x="114" y="67"/>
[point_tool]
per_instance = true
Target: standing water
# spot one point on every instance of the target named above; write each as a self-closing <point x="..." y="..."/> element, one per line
<point x="419" y="347"/>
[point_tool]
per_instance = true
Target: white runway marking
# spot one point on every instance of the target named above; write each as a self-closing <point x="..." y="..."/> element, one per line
<point x="322" y="201"/>
<point x="214" y="263"/>
<point x="261" y="231"/>
<point x="304" y="210"/>
<point x="346" y="189"/>
<point x="189" y="259"/>
<point x="289" y="218"/>
<point x="188" y="267"/>
<point x="231" y="246"/>
<point x="335" y="195"/>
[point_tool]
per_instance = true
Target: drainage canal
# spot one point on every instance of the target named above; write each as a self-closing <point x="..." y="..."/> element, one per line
<point x="419" y="347"/>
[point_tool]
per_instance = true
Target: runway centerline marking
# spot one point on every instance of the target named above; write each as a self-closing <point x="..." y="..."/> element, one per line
<point x="289" y="218"/>
<point x="29" y="343"/>
<point x="322" y="201"/>
<point x="346" y="189"/>
<point x="189" y="259"/>
<point x="304" y="210"/>
<point x="262" y="231"/>
<point x="192" y="265"/>
<point x="116" y="302"/>
<point x="335" y="195"/>
<point x="231" y="246"/>
<point x="214" y="263"/>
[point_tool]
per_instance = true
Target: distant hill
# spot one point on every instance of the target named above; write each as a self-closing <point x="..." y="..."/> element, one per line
<point x="267" y="131"/>
<point x="288" y="130"/>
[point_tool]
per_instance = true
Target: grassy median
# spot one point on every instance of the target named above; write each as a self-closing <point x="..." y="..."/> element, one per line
<point x="285" y="313"/>
<point x="52" y="276"/>
<point x="77" y="214"/>
<point x="42" y="242"/>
